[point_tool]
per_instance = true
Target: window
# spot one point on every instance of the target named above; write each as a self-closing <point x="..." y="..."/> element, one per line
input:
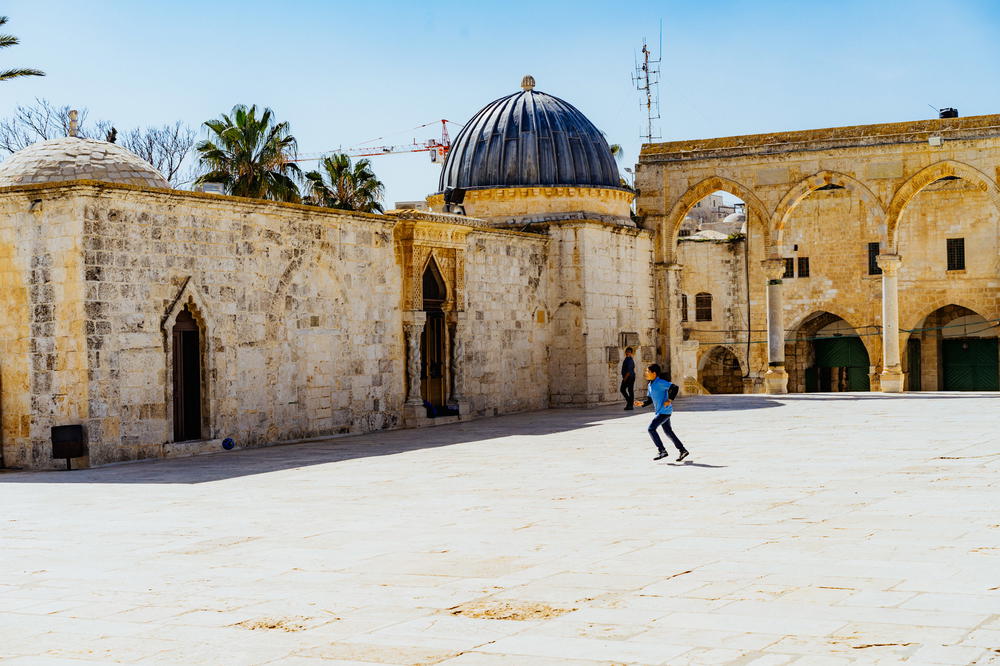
<point x="956" y="254"/>
<point x="684" y="232"/>
<point x="803" y="267"/>
<point x="789" y="268"/>
<point x="684" y="307"/>
<point x="873" y="268"/>
<point x="703" y="307"/>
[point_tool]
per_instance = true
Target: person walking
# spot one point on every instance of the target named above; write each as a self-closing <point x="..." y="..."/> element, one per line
<point x="660" y="393"/>
<point x="628" y="379"/>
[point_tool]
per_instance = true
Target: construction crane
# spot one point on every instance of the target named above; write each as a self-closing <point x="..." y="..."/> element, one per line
<point x="438" y="149"/>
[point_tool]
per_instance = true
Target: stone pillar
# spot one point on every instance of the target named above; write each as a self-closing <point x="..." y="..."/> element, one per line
<point x="413" y="327"/>
<point x="688" y="371"/>
<point x="675" y="333"/>
<point x="776" y="378"/>
<point x="892" y="371"/>
<point x="457" y="328"/>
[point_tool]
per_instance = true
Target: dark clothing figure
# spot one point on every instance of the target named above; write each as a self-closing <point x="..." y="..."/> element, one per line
<point x="628" y="382"/>
<point x="664" y="421"/>
<point x="661" y="395"/>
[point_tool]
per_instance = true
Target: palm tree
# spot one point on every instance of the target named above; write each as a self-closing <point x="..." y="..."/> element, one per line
<point x="250" y="155"/>
<point x="339" y="184"/>
<point x="617" y="151"/>
<point x="11" y="40"/>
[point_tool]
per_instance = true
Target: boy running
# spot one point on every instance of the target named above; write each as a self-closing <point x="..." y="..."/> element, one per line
<point x="659" y="394"/>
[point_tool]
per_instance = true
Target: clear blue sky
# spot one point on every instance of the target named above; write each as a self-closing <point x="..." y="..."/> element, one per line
<point x="342" y="73"/>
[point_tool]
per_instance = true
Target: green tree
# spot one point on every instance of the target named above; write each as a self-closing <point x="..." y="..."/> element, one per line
<point x="340" y="184"/>
<point x="251" y="155"/>
<point x="11" y="40"/>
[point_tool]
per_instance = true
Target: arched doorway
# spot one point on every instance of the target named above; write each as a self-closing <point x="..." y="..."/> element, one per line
<point x="186" y="341"/>
<point x="720" y="372"/>
<point x="433" y="341"/>
<point x="825" y="354"/>
<point x="954" y="349"/>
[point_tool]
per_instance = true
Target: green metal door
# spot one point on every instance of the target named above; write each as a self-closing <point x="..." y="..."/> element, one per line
<point x="913" y="362"/>
<point x="971" y="364"/>
<point x="846" y="352"/>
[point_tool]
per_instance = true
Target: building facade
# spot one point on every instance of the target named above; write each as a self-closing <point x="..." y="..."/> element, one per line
<point x="165" y="322"/>
<point x="869" y="259"/>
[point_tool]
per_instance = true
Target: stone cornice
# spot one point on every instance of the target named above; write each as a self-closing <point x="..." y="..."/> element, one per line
<point x="916" y="131"/>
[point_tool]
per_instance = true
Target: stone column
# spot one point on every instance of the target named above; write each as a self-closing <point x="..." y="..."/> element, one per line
<point x="457" y="384"/>
<point x="675" y="333"/>
<point x="413" y="327"/>
<point x="776" y="378"/>
<point x="892" y="371"/>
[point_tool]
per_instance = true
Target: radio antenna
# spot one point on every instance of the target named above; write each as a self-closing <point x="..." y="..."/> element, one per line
<point x="646" y="79"/>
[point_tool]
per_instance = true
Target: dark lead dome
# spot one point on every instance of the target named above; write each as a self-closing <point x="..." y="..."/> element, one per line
<point x="529" y="139"/>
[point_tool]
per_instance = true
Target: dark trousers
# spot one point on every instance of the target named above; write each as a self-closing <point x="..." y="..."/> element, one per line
<point x="664" y="421"/>
<point x="628" y="390"/>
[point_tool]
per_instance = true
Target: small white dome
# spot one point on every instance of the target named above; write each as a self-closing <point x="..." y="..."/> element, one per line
<point x="734" y="218"/>
<point x="73" y="158"/>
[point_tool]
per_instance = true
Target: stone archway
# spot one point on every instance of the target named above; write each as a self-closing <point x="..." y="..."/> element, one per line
<point x="720" y="371"/>
<point x="756" y="211"/>
<point x="926" y="176"/>
<point x="434" y="338"/>
<point x="821" y="181"/>
<point x="824" y="353"/>
<point x="953" y="349"/>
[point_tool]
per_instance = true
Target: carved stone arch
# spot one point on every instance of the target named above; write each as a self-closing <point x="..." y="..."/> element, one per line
<point x="275" y="304"/>
<point x="805" y="187"/>
<point x="433" y="265"/>
<point x="190" y="298"/>
<point x="915" y="321"/>
<point x="930" y="174"/>
<point x="697" y="192"/>
<point x="738" y="353"/>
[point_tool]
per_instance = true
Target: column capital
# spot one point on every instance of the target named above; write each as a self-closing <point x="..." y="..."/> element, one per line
<point x="674" y="267"/>
<point x="889" y="263"/>
<point x="414" y="318"/>
<point x="774" y="268"/>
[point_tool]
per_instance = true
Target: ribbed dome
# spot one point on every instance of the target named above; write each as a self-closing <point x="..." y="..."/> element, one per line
<point x="528" y="139"/>
<point x="73" y="158"/>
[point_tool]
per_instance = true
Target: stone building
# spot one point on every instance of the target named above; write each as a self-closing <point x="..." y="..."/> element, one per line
<point x="165" y="321"/>
<point x="870" y="258"/>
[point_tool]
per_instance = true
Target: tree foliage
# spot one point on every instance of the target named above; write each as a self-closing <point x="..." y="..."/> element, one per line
<point x="11" y="40"/>
<point x="250" y="155"/>
<point x="340" y="184"/>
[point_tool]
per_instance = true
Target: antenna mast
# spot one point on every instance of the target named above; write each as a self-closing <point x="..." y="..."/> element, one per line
<point x="647" y="81"/>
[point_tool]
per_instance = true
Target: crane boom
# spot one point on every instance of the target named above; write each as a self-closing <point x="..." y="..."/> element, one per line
<point x="437" y="148"/>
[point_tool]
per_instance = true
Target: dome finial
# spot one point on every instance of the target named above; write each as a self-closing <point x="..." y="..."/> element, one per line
<point x="74" y="126"/>
<point x="528" y="82"/>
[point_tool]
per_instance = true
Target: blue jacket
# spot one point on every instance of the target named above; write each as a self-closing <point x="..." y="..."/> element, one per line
<point x="657" y="392"/>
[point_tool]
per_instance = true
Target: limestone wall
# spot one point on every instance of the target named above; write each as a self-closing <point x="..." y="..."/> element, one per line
<point x="602" y="287"/>
<point x="506" y="332"/>
<point x="298" y="310"/>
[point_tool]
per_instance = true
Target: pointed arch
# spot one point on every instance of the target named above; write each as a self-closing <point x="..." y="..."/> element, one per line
<point x="433" y="284"/>
<point x="821" y="179"/>
<point x="191" y="301"/>
<point x="931" y="174"/>
<point x="697" y="192"/>
<point x="189" y="295"/>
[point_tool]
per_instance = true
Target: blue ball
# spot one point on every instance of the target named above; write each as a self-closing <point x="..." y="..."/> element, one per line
<point x="228" y="443"/>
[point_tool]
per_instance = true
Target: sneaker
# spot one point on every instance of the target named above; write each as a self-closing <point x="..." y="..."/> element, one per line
<point x="663" y="454"/>
<point x="684" y="454"/>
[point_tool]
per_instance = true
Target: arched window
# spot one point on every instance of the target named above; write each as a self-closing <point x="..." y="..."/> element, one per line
<point x="187" y="377"/>
<point x="703" y="307"/>
<point x="684" y="307"/>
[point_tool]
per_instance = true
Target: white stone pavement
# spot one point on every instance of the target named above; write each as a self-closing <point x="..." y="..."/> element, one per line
<point x="816" y="529"/>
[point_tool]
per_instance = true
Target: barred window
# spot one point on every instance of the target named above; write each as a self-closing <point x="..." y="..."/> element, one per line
<point x="803" y="267"/>
<point x="684" y="307"/>
<point x="703" y="307"/>
<point x="873" y="268"/>
<point x="789" y="268"/>
<point x="956" y="254"/>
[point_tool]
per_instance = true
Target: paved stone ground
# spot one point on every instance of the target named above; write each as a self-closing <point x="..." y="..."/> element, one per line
<point x="816" y="529"/>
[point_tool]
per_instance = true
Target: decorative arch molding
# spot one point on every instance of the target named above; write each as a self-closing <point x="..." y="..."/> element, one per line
<point x="815" y="314"/>
<point x="311" y="260"/>
<point x="697" y="192"/>
<point x="931" y="174"/>
<point x="189" y="295"/>
<point x="432" y="264"/>
<point x="939" y="304"/>
<point x="705" y="355"/>
<point x="805" y="187"/>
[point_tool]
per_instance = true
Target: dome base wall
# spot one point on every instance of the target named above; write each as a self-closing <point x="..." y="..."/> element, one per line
<point x="507" y="204"/>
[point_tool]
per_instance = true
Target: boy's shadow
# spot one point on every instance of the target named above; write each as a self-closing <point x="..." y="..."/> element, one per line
<point x="694" y="464"/>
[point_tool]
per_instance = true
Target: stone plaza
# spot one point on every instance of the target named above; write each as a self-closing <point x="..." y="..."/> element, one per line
<point x="806" y="529"/>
